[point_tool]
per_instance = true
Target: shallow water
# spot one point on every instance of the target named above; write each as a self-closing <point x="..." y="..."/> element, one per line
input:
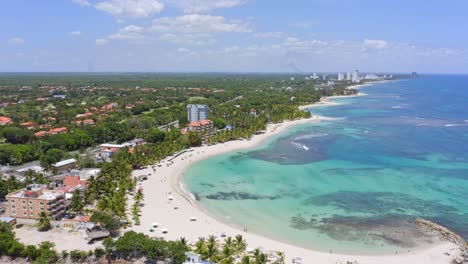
<point x="353" y="185"/>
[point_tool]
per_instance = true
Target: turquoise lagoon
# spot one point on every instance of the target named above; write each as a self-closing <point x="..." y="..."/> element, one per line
<point x="356" y="184"/>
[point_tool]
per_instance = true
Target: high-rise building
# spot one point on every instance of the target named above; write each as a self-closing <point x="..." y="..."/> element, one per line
<point x="355" y="76"/>
<point x="340" y="76"/>
<point x="197" y="112"/>
<point x="348" y="76"/>
<point x="30" y="202"/>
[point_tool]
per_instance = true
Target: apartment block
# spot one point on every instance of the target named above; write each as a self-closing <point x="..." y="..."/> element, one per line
<point x="30" y="202"/>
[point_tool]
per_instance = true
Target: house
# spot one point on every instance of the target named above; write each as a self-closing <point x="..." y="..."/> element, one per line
<point x="74" y="181"/>
<point x="253" y="112"/>
<point x="40" y="134"/>
<point x="60" y="96"/>
<point x="30" y="202"/>
<point x="106" y="151"/>
<point x="5" y="120"/>
<point x="58" y="130"/>
<point x="65" y="164"/>
<point x="194" y="258"/>
<point x="85" y="122"/>
<point x="29" y="125"/>
<point x="109" y="106"/>
<point x="87" y="114"/>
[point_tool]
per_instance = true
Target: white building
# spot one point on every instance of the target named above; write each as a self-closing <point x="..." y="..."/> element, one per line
<point x="355" y="76"/>
<point x="348" y="76"/>
<point x="371" y="77"/>
<point x="196" y="113"/>
<point x="341" y="76"/>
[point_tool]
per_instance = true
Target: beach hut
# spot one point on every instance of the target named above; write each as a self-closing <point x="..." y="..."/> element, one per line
<point x="164" y="230"/>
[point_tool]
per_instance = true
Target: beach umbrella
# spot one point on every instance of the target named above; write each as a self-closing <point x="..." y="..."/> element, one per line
<point x="171" y="197"/>
<point x="155" y="224"/>
<point x="193" y="219"/>
<point x="164" y="230"/>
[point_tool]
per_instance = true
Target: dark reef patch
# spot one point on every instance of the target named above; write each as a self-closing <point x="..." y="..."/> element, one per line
<point x="394" y="229"/>
<point x="380" y="203"/>
<point x="226" y="196"/>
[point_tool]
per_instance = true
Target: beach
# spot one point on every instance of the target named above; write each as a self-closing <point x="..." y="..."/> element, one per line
<point x="167" y="204"/>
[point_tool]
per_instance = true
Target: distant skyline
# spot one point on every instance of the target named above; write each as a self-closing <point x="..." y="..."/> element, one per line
<point x="233" y="36"/>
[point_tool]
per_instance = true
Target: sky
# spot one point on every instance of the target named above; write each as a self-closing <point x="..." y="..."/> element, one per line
<point x="427" y="36"/>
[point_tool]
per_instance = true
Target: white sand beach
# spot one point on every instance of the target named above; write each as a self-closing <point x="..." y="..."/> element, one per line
<point x="171" y="208"/>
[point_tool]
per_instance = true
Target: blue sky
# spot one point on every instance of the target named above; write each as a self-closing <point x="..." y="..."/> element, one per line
<point x="234" y="35"/>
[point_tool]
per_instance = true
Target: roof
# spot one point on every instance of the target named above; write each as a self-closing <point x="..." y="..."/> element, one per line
<point x="27" y="123"/>
<point x="58" y="129"/>
<point x="33" y="168"/>
<point x="40" y="133"/>
<point x="64" y="162"/>
<point x="43" y="194"/>
<point x="6" y="219"/>
<point x="200" y="123"/>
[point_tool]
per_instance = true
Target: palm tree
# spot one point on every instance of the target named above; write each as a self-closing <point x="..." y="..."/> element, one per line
<point x="240" y="244"/>
<point x="183" y="242"/>
<point x="281" y="257"/>
<point x="245" y="260"/>
<point x="228" y="249"/>
<point x="44" y="222"/>
<point x="211" y="249"/>
<point x="211" y="252"/>
<point x="200" y="246"/>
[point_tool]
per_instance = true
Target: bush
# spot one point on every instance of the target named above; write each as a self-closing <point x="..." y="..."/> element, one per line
<point x="99" y="252"/>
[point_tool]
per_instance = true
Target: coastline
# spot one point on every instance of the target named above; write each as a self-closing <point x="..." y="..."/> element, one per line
<point x="167" y="182"/>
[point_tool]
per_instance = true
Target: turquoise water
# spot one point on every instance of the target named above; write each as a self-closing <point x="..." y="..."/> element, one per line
<point x="398" y="153"/>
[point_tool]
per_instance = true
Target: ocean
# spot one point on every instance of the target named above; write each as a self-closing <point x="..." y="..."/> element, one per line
<point x="354" y="184"/>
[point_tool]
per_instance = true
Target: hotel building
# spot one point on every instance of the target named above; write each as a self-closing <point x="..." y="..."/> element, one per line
<point x="196" y="113"/>
<point x="204" y="128"/>
<point x="30" y="202"/>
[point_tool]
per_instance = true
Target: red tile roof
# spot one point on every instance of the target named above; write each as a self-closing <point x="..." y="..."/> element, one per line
<point x="200" y="123"/>
<point x="5" y="120"/>
<point x="40" y="133"/>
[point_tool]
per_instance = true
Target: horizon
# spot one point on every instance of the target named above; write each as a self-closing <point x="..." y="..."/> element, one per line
<point x="235" y="36"/>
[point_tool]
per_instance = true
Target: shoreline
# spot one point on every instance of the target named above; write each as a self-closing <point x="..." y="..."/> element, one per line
<point x="167" y="181"/>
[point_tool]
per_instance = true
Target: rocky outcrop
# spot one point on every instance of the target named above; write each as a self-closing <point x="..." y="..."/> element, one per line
<point x="445" y="233"/>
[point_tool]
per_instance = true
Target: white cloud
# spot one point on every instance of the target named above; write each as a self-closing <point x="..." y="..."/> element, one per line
<point x="131" y="8"/>
<point x="270" y="35"/>
<point x="189" y="39"/>
<point x="203" y="6"/>
<point x="101" y="41"/>
<point x="196" y="23"/>
<point x="81" y="2"/>
<point x="75" y="33"/>
<point x="15" y="41"/>
<point x="183" y="50"/>
<point x="129" y="32"/>
<point x="375" y="44"/>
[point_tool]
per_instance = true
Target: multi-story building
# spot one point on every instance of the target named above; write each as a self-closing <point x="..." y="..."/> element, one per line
<point x="30" y="202"/>
<point x="355" y="76"/>
<point x="204" y="128"/>
<point x="340" y="76"/>
<point x="197" y="113"/>
<point x="348" y="76"/>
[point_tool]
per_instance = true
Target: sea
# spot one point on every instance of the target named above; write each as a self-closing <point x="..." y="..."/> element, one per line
<point x="354" y="184"/>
